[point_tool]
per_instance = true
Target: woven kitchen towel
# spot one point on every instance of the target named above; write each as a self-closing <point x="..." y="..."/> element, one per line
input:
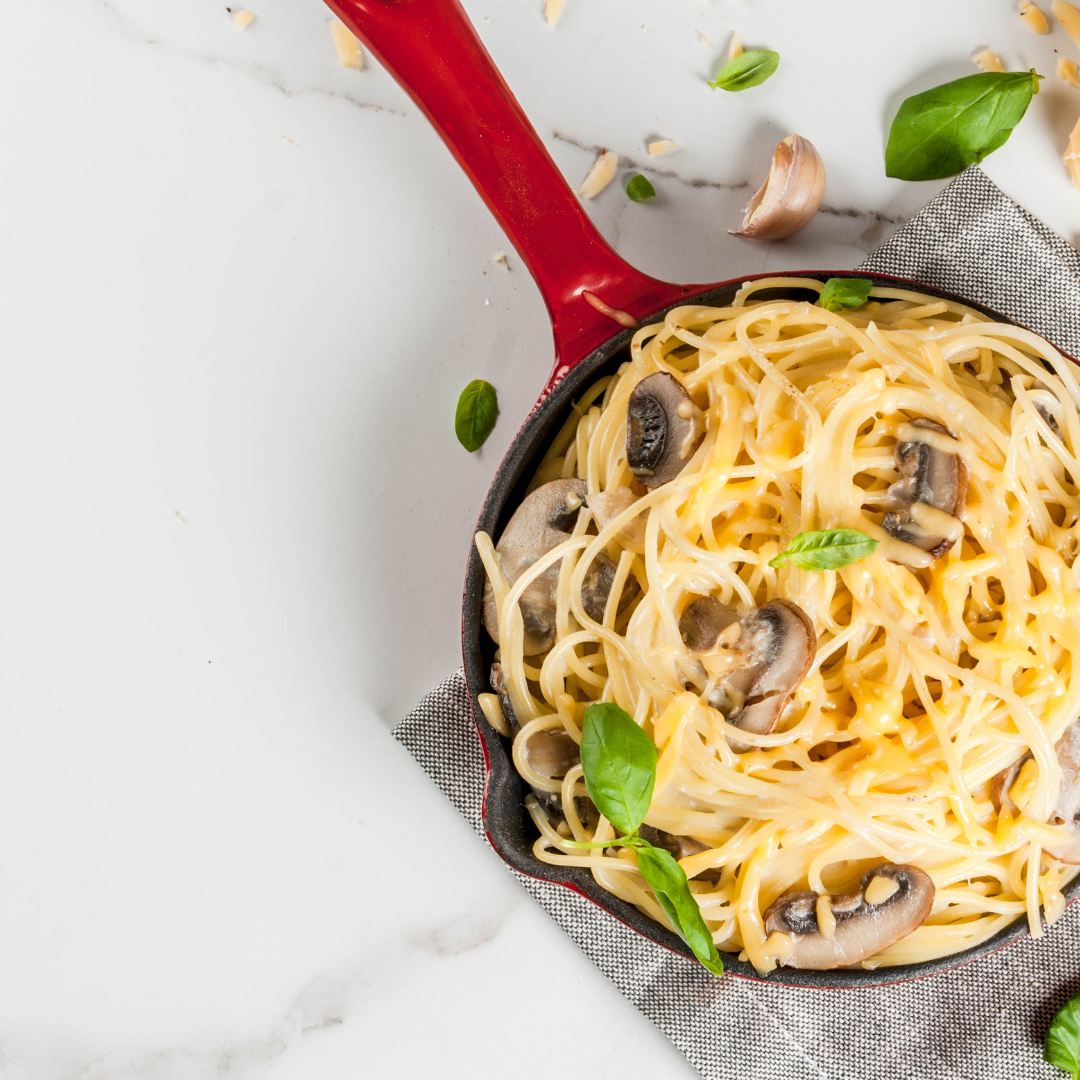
<point x="984" y="1021"/>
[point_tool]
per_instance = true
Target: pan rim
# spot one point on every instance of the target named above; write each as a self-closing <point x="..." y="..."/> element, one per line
<point x="501" y="779"/>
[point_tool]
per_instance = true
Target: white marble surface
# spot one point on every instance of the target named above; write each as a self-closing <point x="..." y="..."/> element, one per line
<point x="225" y="264"/>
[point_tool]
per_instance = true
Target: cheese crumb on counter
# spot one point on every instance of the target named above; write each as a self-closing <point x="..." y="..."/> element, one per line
<point x="1068" y="72"/>
<point x="988" y="60"/>
<point x="242" y="18"/>
<point x="553" y="11"/>
<point x="1071" y="157"/>
<point x="1034" y="18"/>
<point x="661" y="146"/>
<point x="501" y="260"/>
<point x="1069" y="18"/>
<point x="347" y="45"/>
<point x="600" y="175"/>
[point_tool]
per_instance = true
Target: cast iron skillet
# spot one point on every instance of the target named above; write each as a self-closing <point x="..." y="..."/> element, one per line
<point x="430" y="47"/>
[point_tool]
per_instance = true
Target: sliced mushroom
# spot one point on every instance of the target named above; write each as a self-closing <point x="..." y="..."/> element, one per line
<point x="1066" y="810"/>
<point x="931" y="490"/>
<point x="663" y="429"/>
<point x="553" y="754"/>
<point x="543" y="521"/>
<point x="854" y="928"/>
<point x="702" y="621"/>
<point x="1046" y="405"/>
<point x="681" y="847"/>
<point x="775" y="647"/>
<point x="550" y="753"/>
<point x="596" y="588"/>
<point x="608" y="505"/>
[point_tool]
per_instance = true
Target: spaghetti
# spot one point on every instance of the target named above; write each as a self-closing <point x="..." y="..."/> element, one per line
<point x="934" y="676"/>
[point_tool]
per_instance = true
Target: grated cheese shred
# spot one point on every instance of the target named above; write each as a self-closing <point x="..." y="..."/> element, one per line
<point x="347" y="45"/>
<point x="600" y="175"/>
<point x="1034" y="18"/>
<point x="988" y="60"/>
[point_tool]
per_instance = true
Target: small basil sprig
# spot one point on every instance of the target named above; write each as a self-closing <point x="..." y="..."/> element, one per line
<point x="1062" y="1045"/>
<point x="942" y="131"/>
<point x="477" y="409"/>
<point x="747" y="69"/>
<point x="639" y="188"/>
<point x="845" y="292"/>
<point x="619" y="763"/>
<point x="827" y="550"/>
<point x="668" y="880"/>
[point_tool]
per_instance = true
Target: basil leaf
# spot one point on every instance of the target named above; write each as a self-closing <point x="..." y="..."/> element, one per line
<point x="672" y="891"/>
<point x="476" y="411"/>
<point x="845" y="292"/>
<point x="828" y="550"/>
<point x="639" y="189"/>
<point x="619" y="763"/>
<point x="1062" y="1046"/>
<point x="747" y="69"/>
<point x="944" y="130"/>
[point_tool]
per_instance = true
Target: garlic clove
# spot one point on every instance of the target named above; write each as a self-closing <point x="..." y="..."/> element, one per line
<point x="791" y="194"/>
<point x="1071" y="157"/>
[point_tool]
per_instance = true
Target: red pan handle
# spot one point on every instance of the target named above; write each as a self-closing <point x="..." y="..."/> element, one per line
<point x="432" y="50"/>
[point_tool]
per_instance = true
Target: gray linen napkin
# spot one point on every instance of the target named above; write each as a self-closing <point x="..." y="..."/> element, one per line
<point x="984" y="1021"/>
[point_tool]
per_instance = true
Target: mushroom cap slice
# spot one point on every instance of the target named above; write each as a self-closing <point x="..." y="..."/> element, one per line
<point x="862" y="929"/>
<point x="1003" y="781"/>
<point x="550" y="753"/>
<point x="1046" y="405"/>
<point x="498" y="684"/>
<point x="596" y="588"/>
<point x="1066" y="810"/>
<point x="663" y="429"/>
<point x="774" y="651"/>
<point x="931" y="476"/>
<point x="783" y="636"/>
<point x="553" y="754"/>
<point x="702" y="621"/>
<point x="541" y="522"/>
<point x="608" y="505"/>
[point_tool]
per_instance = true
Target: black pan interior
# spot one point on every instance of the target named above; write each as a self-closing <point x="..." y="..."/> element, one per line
<point x="506" y="821"/>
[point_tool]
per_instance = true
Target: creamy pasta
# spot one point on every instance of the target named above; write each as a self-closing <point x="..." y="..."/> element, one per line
<point x="935" y="675"/>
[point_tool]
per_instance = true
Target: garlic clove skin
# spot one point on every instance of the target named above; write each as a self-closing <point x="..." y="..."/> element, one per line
<point x="791" y="194"/>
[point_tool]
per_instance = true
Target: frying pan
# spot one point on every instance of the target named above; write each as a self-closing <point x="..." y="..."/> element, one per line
<point x="432" y="50"/>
